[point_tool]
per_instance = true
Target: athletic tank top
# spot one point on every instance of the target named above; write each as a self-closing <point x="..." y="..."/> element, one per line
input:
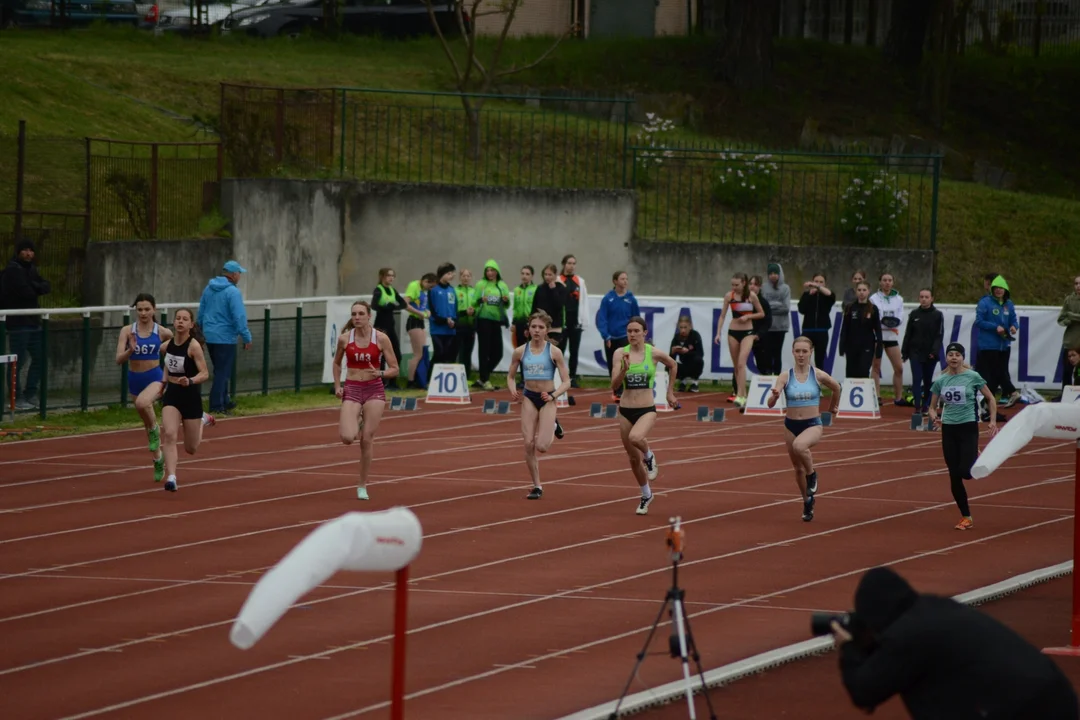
<point x="178" y="363"/>
<point x="363" y="357"/>
<point x="802" y="394"/>
<point x="739" y="307"/>
<point x="642" y="375"/>
<point x="146" y="348"/>
<point x="538" y="367"/>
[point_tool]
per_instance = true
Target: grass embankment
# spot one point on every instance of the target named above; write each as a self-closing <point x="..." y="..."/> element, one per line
<point x="134" y="86"/>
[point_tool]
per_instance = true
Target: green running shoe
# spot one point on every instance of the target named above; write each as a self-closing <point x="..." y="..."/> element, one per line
<point x="154" y="434"/>
<point x="159" y="468"/>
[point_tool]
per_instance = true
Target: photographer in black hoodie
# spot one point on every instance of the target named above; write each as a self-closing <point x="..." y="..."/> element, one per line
<point x="923" y="340"/>
<point x="944" y="659"/>
<point x="816" y="307"/>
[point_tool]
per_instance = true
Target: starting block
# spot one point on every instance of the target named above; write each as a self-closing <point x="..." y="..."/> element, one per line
<point x="496" y="407"/>
<point x="403" y="403"/>
<point x="707" y="414"/>
<point x="599" y="410"/>
<point x="920" y="423"/>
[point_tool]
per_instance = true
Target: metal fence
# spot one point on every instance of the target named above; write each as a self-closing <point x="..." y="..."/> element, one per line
<point x="502" y="140"/>
<point x="76" y="349"/>
<point x="786" y="198"/>
<point x="145" y="191"/>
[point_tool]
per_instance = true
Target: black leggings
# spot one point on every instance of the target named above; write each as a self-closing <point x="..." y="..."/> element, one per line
<point x="960" y="445"/>
<point x="820" y="338"/>
<point x="859" y="362"/>
<point x="571" y="338"/>
<point x="489" y="337"/>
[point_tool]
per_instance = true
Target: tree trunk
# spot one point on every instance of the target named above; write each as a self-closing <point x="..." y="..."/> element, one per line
<point x="472" y="122"/>
<point x="746" y="52"/>
<point x="907" y="31"/>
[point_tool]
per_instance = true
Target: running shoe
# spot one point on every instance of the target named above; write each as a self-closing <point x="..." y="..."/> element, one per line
<point x="1011" y="400"/>
<point x="558" y="429"/>
<point x="208" y="420"/>
<point x="361" y="493"/>
<point x="535" y="494"/>
<point x="732" y="398"/>
<point x="154" y="434"/>
<point x="808" y="509"/>
<point x="643" y="505"/>
<point x="171" y="484"/>
<point x="740" y="402"/>
<point x="965" y="524"/>
<point x="811" y="483"/>
<point x="159" y="468"/>
<point x="652" y="468"/>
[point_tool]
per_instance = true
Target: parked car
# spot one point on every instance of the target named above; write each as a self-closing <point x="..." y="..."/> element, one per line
<point x="66" y="13"/>
<point x="179" y="20"/>
<point x="389" y="18"/>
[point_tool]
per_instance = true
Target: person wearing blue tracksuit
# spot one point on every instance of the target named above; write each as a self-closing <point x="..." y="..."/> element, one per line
<point x="444" y="312"/>
<point x="995" y="317"/>
<point x="616" y="309"/>
<point x="222" y="318"/>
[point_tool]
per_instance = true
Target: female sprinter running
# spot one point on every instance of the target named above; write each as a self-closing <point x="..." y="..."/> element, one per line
<point x="635" y="374"/>
<point x="801" y="386"/>
<point x="959" y="387"/>
<point x="363" y="399"/>
<point x="745" y="308"/>
<point x="538" y="358"/>
<point x="139" y="345"/>
<point x="181" y="401"/>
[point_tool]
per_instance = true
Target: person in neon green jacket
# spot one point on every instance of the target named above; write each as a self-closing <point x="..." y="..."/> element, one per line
<point x="466" y="322"/>
<point x="492" y="301"/>
<point x="522" y="309"/>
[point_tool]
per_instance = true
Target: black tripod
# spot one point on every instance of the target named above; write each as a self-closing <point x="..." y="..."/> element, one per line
<point x="681" y="642"/>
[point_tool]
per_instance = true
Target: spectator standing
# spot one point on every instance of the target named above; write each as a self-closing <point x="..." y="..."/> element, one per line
<point x="850" y="294"/>
<point x="466" y="323"/>
<point x="616" y="309"/>
<point x="387" y="303"/>
<point x="816" y="306"/>
<point x="222" y="318"/>
<point x="550" y="297"/>
<point x="777" y="293"/>
<point x="577" y="314"/>
<point x="995" y="317"/>
<point x="523" y="303"/>
<point x="1069" y="318"/>
<point x="492" y="302"/>
<point x="761" y="326"/>
<point x="923" y="339"/>
<point x="21" y="286"/>
<point x="444" y="311"/>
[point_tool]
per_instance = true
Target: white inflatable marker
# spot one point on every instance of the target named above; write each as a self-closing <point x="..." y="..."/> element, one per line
<point x="1057" y="421"/>
<point x="362" y="542"/>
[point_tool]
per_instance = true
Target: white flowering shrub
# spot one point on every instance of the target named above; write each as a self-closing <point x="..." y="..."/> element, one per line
<point x="873" y="209"/>
<point x="745" y="182"/>
<point x="652" y="137"/>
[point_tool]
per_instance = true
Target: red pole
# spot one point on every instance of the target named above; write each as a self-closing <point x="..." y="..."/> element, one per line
<point x="401" y="626"/>
<point x="1073" y="647"/>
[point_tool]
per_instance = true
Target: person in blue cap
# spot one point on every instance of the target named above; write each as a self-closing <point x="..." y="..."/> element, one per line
<point x="222" y="318"/>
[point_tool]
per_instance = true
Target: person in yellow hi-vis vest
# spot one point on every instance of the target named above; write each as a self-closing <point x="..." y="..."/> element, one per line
<point x="492" y="302"/>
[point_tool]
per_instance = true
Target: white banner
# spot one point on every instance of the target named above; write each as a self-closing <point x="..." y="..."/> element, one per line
<point x="1035" y="359"/>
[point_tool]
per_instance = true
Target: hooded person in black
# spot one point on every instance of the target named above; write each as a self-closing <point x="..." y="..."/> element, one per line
<point x="944" y="659"/>
<point x="20" y="287"/>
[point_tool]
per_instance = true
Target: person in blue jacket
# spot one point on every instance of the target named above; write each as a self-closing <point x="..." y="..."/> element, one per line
<point x="616" y="309"/>
<point x="222" y="318"/>
<point x="995" y="318"/>
<point x="443" y="305"/>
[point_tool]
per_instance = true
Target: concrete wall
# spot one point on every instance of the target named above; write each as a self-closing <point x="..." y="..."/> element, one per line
<point x="314" y="238"/>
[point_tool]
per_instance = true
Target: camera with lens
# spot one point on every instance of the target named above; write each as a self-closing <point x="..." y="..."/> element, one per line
<point x="821" y="623"/>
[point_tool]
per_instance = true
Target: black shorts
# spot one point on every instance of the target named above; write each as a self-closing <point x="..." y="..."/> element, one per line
<point x="739" y="335"/>
<point x="635" y="414"/>
<point x="188" y="400"/>
<point x="879" y="351"/>
<point x="414" y="323"/>
<point x="533" y="396"/>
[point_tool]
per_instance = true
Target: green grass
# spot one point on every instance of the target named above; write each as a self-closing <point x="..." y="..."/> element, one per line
<point x="118" y="83"/>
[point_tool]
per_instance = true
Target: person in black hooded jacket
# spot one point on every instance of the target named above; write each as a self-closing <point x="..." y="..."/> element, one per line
<point x="944" y="659"/>
<point x="923" y="340"/>
<point x="20" y="288"/>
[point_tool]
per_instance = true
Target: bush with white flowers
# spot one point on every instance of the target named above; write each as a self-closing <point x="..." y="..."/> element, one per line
<point x="743" y="181"/>
<point x="652" y="139"/>
<point x="873" y="209"/>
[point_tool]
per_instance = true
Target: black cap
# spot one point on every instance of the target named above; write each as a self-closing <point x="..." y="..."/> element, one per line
<point x="956" y="347"/>
<point x="24" y="244"/>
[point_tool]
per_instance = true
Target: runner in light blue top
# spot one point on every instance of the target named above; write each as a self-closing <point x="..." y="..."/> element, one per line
<point x="801" y="386"/>
<point x="539" y="425"/>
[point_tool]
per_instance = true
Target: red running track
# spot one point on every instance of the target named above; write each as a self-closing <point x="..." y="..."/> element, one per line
<point x="116" y="598"/>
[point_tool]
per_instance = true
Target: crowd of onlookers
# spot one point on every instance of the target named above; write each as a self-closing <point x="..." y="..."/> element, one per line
<point x="474" y="313"/>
